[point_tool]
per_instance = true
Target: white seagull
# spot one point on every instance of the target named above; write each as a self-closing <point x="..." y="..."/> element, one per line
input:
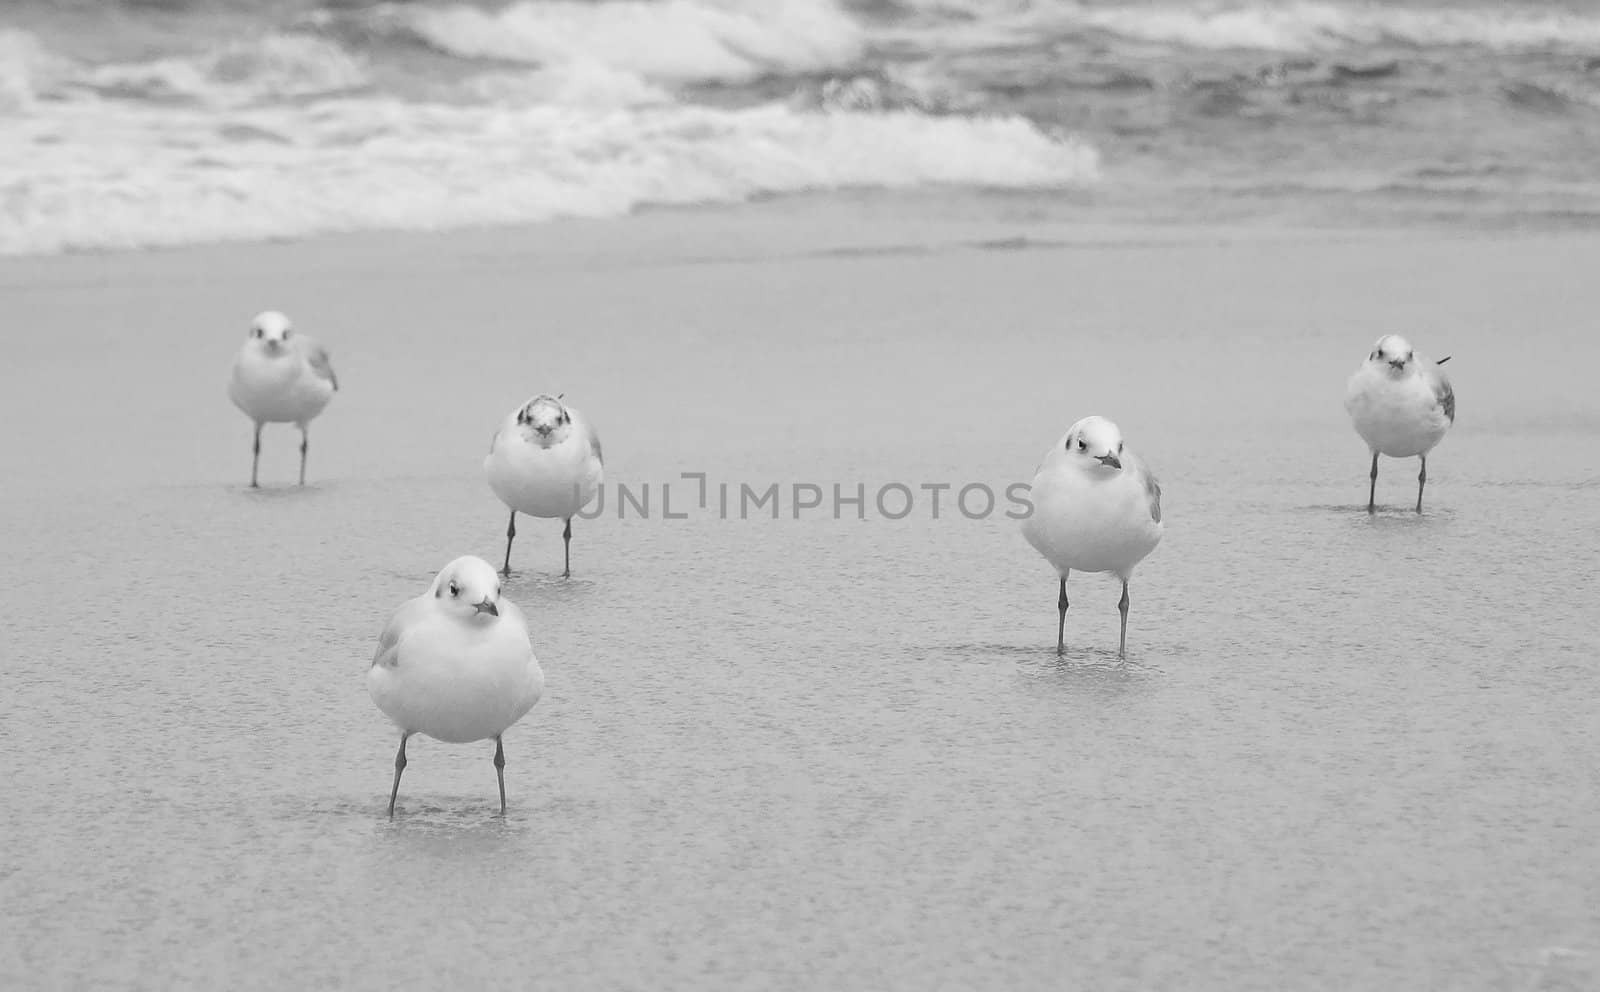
<point x="1096" y="508"/>
<point x="456" y="664"/>
<point x="281" y="377"/>
<point x="544" y="461"/>
<point x="1401" y="405"/>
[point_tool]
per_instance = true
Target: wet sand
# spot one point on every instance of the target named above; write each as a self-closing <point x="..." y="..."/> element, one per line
<point x="1345" y="752"/>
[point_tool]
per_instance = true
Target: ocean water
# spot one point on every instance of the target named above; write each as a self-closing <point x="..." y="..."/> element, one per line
<point x="809" y="752"/>
<point x="166" y="122"/>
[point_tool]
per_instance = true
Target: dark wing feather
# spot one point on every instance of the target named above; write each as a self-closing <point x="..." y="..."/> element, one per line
<point x="321" y="364"/>
<point x="1152" y="491"/>
<point x="1445" y="395"/>
<point x="388" y="653"/>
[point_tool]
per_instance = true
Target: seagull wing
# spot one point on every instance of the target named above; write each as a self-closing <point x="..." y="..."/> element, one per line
<point x="594" y="445"/>
<point x="388" y="653"/>
<point x="511" y="611"/>
<point x="317" y="357"/>
<point x="1152" y="490"/>
<point x="1442" y="393"/>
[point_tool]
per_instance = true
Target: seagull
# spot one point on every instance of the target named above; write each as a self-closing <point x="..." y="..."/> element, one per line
<point x="1401" y="405"/>
<point x="544" y="461"/>
<point x="1096" y="508"/>
<point x="281" y="377"/>
<point x="455" y="664"/>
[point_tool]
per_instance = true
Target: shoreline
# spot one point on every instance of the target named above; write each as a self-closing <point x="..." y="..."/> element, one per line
<point x="799" y="226"/>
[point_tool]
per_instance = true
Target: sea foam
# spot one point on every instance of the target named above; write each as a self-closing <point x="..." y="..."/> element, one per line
<point x="1311" y="25"/>
<point x="141" y="177"/>
<point x="680" y="41"/>
<point x="287" y="135"/>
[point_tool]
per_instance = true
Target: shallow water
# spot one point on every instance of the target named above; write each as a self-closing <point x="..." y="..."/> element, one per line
<point x="1345" y="751"/>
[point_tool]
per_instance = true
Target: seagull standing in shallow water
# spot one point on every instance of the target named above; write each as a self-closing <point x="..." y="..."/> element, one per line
<point x="1096" y="508"/>
<point x="544" y="461"/>
<point x="455" y="664"/>
<point x="1402" y="405"/>
<point x="281" y="377"/>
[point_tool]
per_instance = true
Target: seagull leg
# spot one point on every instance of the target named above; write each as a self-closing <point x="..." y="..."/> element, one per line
<point x="1372" y="493"/>
<point x="566" y="536"/>
<point x="500" y="771"/>
<point x="511" y="531"/>
<point x="1061" y="628"/>
<point x="255" y="462"/>
<point x="1422" y="480"/>
<point x="399" y="766"/>
<point x="1122" y="608"/>
<point x="305" y="443"/>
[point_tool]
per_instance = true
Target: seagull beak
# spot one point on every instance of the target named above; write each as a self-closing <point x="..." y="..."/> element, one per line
<point x="487" y="606"/>
<point x="1398" y="364"/>
<point x="1110" y="459"/>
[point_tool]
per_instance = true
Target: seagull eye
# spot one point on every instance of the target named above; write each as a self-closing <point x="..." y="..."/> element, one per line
<point x="455" y="590"/>
<point x="1119" y="447"/>
<point x="1081" y="445"/>
<point x="256" y="332"/>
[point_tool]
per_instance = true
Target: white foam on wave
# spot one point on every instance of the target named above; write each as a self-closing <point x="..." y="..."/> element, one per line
<point x="274" y="67"/>
<point x="671" y="41"/>
<point x="1312" y="25"/>
<point x="1291" y="26"/>
<point x="25" y="66"/>
<point x="572" y="84"/>
<point x="144" y="177"/>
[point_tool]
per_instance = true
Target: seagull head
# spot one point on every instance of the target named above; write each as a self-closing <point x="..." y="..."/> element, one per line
<point x="545" y="420"/>
<point x="468" y="588"/>
<point x="1393" y="355"/>
<point x="271" y="330"/>
<point x="1095" y="443"/>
